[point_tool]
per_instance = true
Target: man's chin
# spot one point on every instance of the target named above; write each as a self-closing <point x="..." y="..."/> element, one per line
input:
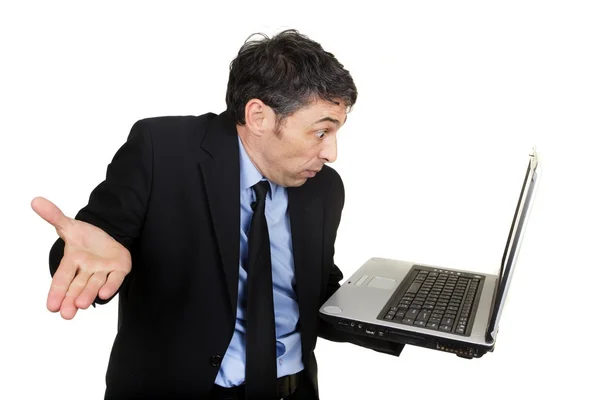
<point x="296" y="182"/>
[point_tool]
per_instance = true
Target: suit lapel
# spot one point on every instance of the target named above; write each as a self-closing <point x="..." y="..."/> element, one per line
<point x="220" y="170"/>
<point x="306" y="221"/>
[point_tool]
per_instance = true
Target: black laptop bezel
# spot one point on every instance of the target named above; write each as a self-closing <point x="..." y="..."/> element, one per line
<point x="512" y="245"/>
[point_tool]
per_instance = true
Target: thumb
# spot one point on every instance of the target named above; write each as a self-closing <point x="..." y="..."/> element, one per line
<point x="51" y="214"/>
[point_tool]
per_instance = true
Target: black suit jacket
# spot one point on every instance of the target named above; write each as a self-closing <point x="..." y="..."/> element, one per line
<point x="171" y="196"/>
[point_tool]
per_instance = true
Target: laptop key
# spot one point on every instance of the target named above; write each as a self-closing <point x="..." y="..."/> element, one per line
<point x="423" y="315"/>
<point x="414" y="288"/>
<point x="412" y="313"/>
<point x="445" y="328"/>
<point x="432" y="325"/>
<point x="419" y="323"/>
<point x="408" y="321"/>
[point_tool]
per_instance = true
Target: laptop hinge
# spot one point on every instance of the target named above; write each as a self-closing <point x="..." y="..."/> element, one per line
<point x="488" y="330"/>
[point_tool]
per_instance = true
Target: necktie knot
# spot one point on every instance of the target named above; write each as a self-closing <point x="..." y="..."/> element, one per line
<point x="261" y="189"/>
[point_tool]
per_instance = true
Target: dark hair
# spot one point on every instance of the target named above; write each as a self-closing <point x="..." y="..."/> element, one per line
<point x="286" y="72"/>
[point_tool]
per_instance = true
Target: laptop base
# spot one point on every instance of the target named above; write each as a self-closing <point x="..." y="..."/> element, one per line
<point x="461" y="349"/>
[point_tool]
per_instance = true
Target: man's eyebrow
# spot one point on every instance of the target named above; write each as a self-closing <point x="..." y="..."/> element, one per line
<point x="329" y="119"/>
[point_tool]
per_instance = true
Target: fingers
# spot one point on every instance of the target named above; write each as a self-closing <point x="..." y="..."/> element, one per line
<point x="78" y="280"/>
<point x="89" y="293"/>
<point x="69" y="282"/>
<point x="50" y="213"/>
<point x="68" y="308"/>
<point x="61" y="282"/>
<point x="113" y="283"/>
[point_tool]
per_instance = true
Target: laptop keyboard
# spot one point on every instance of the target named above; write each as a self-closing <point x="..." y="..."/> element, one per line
<point x="438" y="300"/>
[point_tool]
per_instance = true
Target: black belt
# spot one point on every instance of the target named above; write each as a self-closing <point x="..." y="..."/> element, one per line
<point x="286" y="386"/>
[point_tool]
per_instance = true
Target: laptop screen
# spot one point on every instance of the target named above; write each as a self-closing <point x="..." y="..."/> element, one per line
<point x="513" y="243"/>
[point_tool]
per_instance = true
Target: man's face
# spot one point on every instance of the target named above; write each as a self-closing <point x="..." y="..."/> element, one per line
<point x="302" y="144"/>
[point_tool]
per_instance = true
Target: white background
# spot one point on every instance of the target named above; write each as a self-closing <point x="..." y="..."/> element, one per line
<point x="452" y="97"/>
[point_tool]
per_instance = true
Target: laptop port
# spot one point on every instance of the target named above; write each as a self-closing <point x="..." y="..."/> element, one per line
<point x="344" y="324"/>
<point x="459" y="350"/>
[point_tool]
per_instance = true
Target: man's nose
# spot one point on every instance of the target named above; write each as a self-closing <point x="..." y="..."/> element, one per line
<point x="329" y="151"/>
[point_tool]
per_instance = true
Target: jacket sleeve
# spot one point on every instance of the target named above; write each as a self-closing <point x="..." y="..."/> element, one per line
<point x="327" y="330"/>
<point x="331" y="333"/>
<point x="118" y="204"/>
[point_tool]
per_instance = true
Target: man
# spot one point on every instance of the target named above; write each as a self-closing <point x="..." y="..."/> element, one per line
<point x="218" y="233"/>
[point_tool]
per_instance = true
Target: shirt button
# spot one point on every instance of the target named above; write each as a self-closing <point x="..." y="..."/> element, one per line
<point x="215" y="360"/>
<point x="280" y="361"/>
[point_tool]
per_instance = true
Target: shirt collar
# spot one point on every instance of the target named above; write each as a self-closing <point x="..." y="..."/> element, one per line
<point x="249" y="174"/>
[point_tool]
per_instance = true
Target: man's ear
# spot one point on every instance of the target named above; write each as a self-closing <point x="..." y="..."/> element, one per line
<point x="260" y="118"/>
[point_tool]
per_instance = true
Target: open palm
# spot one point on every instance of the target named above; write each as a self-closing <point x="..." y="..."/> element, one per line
<point x="94" y="264"/>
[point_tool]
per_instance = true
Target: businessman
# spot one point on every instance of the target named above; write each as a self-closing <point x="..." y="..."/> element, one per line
<point x="217" y="231"/>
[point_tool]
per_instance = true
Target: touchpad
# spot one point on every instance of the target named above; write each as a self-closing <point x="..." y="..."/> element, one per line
<point x="382" y="283"/>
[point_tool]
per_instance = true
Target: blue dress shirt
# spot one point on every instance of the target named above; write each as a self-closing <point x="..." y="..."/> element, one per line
<point x="289" y="349"/>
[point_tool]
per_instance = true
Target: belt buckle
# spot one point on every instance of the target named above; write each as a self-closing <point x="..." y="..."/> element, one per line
<point x="288" y="384"/>
<point x="283" y="386"/>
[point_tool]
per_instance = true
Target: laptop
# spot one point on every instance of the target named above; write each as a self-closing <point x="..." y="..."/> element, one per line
<point x="446" y="309"/>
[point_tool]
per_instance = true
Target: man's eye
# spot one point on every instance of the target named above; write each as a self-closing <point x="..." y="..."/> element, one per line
<point x="321" y="134"/>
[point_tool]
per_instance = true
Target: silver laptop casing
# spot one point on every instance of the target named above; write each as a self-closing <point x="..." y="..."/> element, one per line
<point x="361" y="299"/>
<point x="364" y="294"/>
